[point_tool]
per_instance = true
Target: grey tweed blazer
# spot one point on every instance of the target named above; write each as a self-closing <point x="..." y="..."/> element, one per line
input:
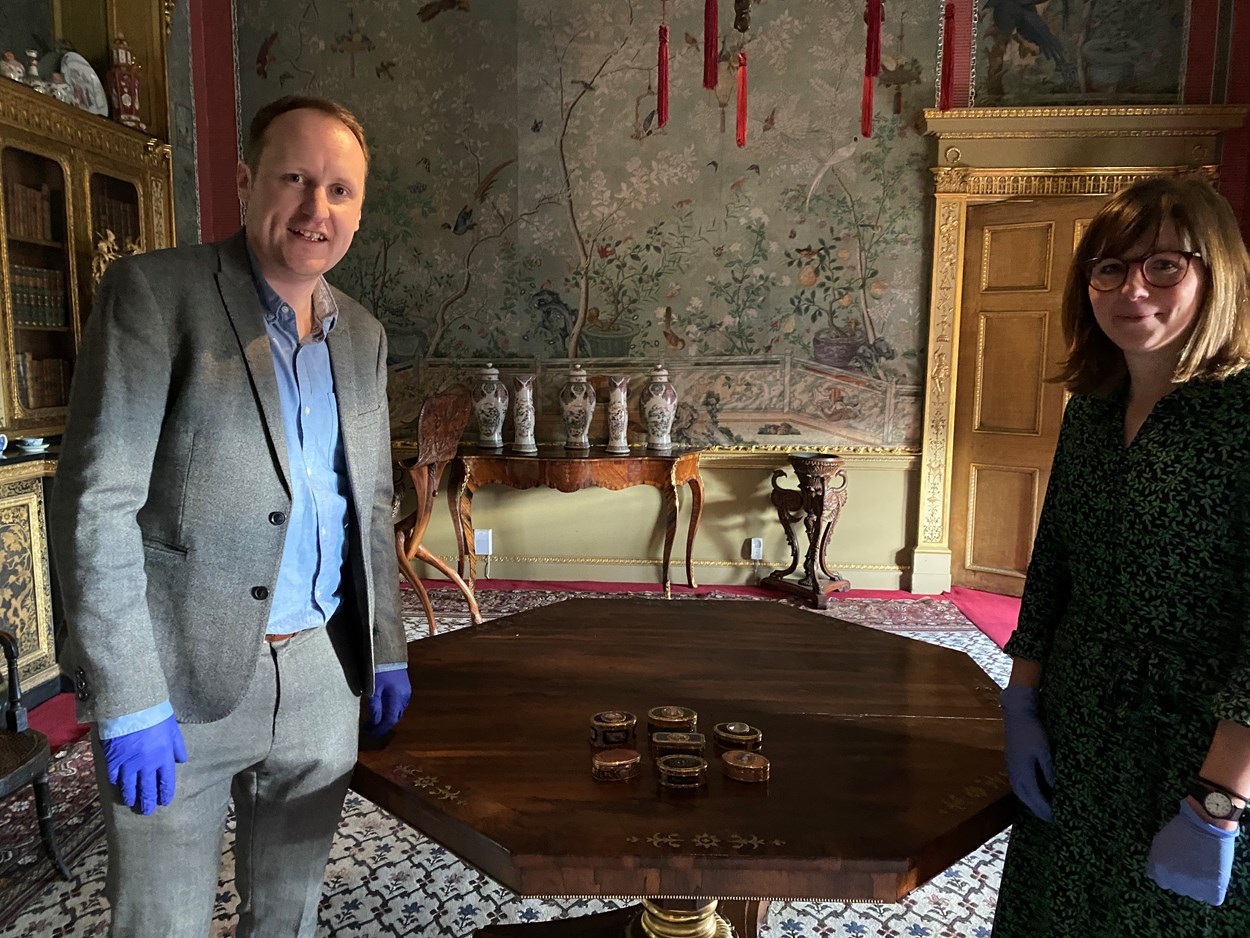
<point x="168" y="507"/>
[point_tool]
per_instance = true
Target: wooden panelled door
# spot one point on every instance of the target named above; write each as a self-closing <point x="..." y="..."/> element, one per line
<point x="1007" y="416"/>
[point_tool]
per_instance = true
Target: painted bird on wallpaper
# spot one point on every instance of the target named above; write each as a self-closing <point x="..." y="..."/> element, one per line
<point x="673" y="340"/>
<point x="464" y="220"/>
<point x="435" y="7"/>
<point x="488" y="181"/>
<point x="844" y="152"/>
<point x="1019" y="19"/>
<point x="265" y="57"/>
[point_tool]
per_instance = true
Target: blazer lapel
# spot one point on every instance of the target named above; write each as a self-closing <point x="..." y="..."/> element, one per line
<point x="343" y="368"/>
<point x="238" y="292"/>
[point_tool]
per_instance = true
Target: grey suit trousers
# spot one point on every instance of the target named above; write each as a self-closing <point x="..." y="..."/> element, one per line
<point x="286" y="755"/>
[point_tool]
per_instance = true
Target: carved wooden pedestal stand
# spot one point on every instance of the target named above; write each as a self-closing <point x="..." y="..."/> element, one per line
<point x="817" y="501"/>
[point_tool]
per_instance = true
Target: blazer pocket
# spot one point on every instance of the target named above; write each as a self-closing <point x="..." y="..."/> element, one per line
<point x="168" y="550"/>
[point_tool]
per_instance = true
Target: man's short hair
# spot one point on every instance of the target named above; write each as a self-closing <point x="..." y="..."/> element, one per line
<point x="294" y="102"/>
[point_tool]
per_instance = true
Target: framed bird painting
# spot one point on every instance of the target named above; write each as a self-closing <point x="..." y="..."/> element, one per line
<point x="1078" y="52"/>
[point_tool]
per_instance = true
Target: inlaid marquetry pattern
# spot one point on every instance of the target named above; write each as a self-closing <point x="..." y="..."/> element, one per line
<point x="973" y="794"/>
<point x="431" y="785"/>
<point x="706" y="841"/>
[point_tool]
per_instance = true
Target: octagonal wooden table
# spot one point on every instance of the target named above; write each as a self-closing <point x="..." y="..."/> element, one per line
<point x="887" y="759"/>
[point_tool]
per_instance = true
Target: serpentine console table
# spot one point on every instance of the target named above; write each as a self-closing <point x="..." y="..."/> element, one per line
<point x="569" y="471"/>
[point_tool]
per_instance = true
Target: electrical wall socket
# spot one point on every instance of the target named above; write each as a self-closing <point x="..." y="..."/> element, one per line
<point x="755" y="548"/>
<point x="483" y="543"/>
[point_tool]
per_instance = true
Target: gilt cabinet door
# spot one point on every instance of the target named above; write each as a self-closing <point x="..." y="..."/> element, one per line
<point x="25" y="589"/>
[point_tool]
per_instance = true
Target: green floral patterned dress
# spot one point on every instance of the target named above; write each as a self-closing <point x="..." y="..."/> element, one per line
<point x="1137" y="604"/>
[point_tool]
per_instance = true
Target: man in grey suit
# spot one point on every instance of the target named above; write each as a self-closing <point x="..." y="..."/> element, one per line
<point x="221" y="522"/>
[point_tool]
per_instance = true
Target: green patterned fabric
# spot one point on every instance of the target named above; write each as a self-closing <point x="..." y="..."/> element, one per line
<point x="1136" y="605"/>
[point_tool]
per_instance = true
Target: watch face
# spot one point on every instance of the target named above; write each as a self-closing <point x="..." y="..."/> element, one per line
<point x="1217" y="804"/>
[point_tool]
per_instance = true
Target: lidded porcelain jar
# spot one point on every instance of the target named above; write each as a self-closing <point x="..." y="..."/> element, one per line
<point x="658" y="405"/>
<point x="523" y="415"/>
<point x="490" y="404"/>
<point x="577" y="407"/>
<point x="618" y="415"/>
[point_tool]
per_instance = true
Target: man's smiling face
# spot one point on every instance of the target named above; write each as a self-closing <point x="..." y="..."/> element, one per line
<point x="303" y="200"/>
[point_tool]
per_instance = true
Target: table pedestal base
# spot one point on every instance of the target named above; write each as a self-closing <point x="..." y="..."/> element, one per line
<point x="728" y="918"/>
<point x="817" y="502"/>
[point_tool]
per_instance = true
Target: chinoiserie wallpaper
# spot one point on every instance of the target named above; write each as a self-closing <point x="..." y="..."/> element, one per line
<point x="526" y="208"/>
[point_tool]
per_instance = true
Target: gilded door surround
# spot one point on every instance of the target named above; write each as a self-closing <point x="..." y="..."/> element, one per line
<point x="994" y="154"/>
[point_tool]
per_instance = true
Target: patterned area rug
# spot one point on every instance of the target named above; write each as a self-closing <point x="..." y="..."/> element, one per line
<point x="25" y="870"/>
<point x="386" y="879"/>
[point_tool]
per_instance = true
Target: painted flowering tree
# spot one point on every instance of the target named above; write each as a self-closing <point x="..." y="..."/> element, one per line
<point x="842" y="288"/>
<point x="599" y="69"/>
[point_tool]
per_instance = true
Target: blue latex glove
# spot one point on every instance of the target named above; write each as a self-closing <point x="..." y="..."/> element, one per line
<point x="391" y="693"/>
<point x="1028" y="751"/>
<point x="1193" y="858"/>
<point x="141" y="764"/>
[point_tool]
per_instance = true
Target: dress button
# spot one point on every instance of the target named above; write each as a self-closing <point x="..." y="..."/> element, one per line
<point x="277" y="517"/>
<point x="260" y="592"/>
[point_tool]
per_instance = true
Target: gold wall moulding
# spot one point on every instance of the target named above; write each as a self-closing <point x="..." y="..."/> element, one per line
<point x="979" y="181"/>
<point x="654" y="562"/>
<point x="949" y="237"/>
<point x="897" y="460"/>
<point x="1144" y="121"/>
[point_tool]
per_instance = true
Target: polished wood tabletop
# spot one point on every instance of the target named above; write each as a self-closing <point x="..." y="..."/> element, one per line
<point x="886" y="753"/>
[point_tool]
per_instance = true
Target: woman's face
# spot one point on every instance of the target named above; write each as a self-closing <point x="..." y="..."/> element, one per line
<point x="1144" y="320"/>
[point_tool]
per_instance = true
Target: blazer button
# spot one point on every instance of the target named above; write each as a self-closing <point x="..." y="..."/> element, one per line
<point x="260" y="592"/>
<point x="277" y="518"/>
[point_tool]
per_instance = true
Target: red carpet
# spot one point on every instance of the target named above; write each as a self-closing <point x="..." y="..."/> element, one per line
<point x="55" y="719"/>
<point x="993" y="614"/>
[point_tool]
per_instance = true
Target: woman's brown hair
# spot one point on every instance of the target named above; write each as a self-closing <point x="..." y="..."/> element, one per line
<point x="1219" y="344"/>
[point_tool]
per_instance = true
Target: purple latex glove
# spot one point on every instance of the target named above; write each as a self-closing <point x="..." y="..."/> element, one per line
<point x="1028" y="751"/>
<point x="391" y="693"/>
<point x="141" y="764"/>
<point x="1193" y="858"/>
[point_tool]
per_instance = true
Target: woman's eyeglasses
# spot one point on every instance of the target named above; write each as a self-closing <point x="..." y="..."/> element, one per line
<point x="1161" y="269"/>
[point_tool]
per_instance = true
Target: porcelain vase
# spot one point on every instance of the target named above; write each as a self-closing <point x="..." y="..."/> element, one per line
<point x="577" y="407"/>
<point x="658" y="405"/>
<point x="490" y="404"/>
<point x="523" y="415"/>
<point x="618" y="415"/>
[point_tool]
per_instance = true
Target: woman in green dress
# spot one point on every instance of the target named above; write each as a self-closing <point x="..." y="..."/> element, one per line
<point x="1127" y="716"/>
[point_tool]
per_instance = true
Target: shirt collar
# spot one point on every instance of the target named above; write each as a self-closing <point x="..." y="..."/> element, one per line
<point x="325" y="311"/>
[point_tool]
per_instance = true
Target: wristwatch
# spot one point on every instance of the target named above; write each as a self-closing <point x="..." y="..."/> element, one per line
<point x="1216" y="800"/>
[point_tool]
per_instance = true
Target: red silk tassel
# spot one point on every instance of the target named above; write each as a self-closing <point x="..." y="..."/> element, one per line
<point x="711" y="42"/>
<point x="742" y="99"/>
<point x="661" y="95"/>
<point x="872" y="63"/>
<point x="948" y="60"/>
<point x="865" y="108"/>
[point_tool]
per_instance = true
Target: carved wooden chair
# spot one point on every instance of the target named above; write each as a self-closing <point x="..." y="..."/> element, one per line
<point x="440" y="424"/>
<point x="24" y="757"/>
